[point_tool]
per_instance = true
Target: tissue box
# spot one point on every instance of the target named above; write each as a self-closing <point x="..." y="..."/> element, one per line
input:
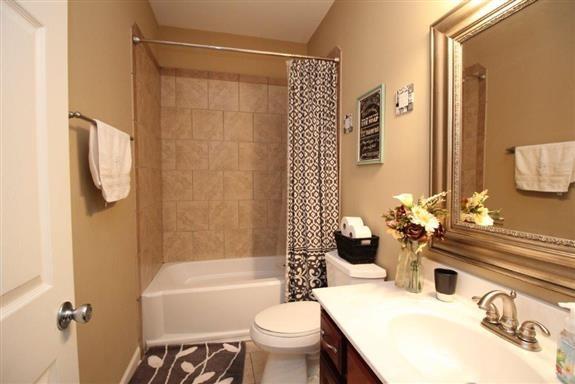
<point x="356" y="251"/>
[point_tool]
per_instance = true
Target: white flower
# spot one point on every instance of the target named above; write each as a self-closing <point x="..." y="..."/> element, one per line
<point x="482" y="217"/>
<point x="422" y="217"/>
<point x="405" y="198"/>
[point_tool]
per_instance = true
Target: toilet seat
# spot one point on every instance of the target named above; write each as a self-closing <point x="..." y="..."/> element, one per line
<point x="290" y="319"/>
<point x="290" y="328"/>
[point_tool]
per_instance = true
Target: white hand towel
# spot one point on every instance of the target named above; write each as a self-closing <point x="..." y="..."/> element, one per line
<point x="545" y="167"/>
<point x="110" y="159"/>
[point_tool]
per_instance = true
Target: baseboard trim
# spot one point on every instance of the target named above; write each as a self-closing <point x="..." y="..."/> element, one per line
<point x="131" y="368"/>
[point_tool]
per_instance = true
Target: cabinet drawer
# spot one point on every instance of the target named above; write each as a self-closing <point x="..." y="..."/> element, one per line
<point x="332" y="342"/>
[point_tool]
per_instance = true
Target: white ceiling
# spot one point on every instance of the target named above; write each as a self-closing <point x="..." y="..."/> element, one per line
<point x="289" y="20"/>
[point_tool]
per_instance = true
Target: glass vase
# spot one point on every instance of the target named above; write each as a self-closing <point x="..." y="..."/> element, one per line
<point x="402" y="272"/>
<point x="414" y="281"/>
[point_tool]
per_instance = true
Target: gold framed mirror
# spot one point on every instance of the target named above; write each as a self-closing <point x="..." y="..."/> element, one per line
<point x="503" y="80"/>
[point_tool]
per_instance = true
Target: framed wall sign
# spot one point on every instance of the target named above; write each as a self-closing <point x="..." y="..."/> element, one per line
<point x="370" y="115"/>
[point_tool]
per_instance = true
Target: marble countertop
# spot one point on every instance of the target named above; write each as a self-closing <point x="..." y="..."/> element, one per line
<point x="362" y="313"/>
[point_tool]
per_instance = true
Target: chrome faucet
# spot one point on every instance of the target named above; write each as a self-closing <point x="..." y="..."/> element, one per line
<point x="506" y="325"/>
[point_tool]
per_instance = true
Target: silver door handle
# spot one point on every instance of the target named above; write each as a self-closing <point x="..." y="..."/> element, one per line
<point x="67" y="313"/>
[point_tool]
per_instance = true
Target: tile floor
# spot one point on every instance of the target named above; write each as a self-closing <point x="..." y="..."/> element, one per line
<point x="256" y="361"/>
<point x="254" y="364"/>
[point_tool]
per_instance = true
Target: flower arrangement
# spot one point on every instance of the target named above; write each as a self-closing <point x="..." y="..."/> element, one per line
<point x="473" y="210"/>
<point x="416" y="222"/>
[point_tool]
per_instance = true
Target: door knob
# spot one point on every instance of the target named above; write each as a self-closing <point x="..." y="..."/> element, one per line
<point x="67" y="313"/>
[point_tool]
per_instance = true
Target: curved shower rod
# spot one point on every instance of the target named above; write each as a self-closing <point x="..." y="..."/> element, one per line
<point x="138" y="40"/>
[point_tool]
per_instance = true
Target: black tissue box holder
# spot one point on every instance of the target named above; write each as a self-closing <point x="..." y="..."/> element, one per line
<point x="356" y="251"/>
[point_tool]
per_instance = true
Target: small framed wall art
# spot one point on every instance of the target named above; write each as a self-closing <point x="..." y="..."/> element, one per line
<point x="370" y="126"/>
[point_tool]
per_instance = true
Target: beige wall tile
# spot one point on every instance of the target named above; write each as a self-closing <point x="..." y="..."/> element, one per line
<point x="208" y="185"/>
<point x="264" y="242"/>
<point x="178" y="246"/>
<point x="277" y="99"/>
<point x="192" y="73"/>
<point x="267" y="185"/>
<point x="277" y="156"/>
<point x="223" y="95"/>
<point x="190" y="154"/>
<point x="238" y="243"/>
<point x="224" y="76"/>
<point x="208" y="125"/>
<point x="253" y="97"/>
<point x="276" y="213"/>
<point x="192" y="216"/>
<point x="252" y="213"/>
<point x="217" y="156"/>
<point x="223" y="155"/>
<point x="168" y="154"/>
<point x="253" y="156"/>
<point x="169" y="216"/>
<point x="267" y="128"/>
<point x="238" y="126"/>
<point x="238" y="185"/>
<point x="278" y="81"/>
<point x="223" y="215"/>
<point x="176" y="123"/>
<point x="177" y="185"/>
<point x="168" y="89"/>
<point x="253" y="79"/>
<point x="191" y="92"/>
<point x="208" y="245"/>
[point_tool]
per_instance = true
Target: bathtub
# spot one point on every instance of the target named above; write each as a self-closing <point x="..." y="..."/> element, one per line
<point x="198" y="301"/>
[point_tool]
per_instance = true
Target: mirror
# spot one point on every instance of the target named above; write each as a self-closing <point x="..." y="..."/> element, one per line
<point x="518" y="89"/>
<point x="503" y="120"/>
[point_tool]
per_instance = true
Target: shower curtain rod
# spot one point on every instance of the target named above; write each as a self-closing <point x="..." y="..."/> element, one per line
<point x="138" y="40"/>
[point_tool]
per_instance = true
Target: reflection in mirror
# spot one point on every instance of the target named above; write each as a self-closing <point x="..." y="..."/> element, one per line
<point x="517" y="95"/>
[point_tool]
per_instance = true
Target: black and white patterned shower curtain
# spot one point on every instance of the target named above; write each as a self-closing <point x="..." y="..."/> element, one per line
<point x="313" y="187"/>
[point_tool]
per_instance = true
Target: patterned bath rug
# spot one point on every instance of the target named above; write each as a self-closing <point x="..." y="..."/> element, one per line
<point x="209" y="363"/>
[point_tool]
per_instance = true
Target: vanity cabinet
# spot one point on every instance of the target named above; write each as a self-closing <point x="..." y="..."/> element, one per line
<point x="340" y="363"/>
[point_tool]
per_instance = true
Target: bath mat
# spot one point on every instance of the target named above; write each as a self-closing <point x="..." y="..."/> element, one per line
<point x="208" y="363"/>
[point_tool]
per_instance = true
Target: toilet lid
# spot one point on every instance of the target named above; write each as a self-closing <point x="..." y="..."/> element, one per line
<point x="290" y="318"/>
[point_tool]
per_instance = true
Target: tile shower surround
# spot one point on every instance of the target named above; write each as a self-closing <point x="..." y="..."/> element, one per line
<point x="223" y="165"/>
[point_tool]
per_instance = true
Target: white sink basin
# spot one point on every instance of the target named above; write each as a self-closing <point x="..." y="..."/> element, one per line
<point x="408" y="338"/>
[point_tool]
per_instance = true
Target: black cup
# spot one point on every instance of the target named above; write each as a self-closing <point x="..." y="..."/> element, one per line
<point x="445" y="283"/>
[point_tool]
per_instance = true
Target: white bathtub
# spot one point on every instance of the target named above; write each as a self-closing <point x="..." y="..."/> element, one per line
<point x="216" y="300"/>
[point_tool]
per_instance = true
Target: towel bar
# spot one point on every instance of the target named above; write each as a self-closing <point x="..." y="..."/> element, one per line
<point x="78" y="115"/>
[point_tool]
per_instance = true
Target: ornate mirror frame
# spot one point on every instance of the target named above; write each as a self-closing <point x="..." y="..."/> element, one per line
<point x="543" y="266"/>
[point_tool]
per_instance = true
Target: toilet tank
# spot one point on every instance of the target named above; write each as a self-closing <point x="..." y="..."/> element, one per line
<point x="341" y="272"/>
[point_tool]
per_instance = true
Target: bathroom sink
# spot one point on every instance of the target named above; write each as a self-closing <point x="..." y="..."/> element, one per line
<point x="443" y="350"/>
<point x="416" y="338"/>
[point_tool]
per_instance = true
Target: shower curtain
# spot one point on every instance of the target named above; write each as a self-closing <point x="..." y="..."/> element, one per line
<point x="313" y="186"/>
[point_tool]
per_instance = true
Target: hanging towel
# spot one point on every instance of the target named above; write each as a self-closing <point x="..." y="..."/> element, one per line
<point x="545" y="167"/>
<point x="110" y="159"/>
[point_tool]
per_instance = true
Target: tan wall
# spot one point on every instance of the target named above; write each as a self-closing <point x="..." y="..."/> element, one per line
<point x="224" y="154"/>
<point x="104" y="238"/>
<point x="383" y="42"/>
<point x="209" y="60"/>
<point x="529" y="60"/>
<point x="148" y="163"/>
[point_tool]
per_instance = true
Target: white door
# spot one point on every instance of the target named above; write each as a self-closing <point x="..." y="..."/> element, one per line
<point x="35" y="229"/>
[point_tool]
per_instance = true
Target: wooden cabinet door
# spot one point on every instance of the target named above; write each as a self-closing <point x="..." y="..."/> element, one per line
<point x="358" y="372"/>
<point x="327" y="375"/>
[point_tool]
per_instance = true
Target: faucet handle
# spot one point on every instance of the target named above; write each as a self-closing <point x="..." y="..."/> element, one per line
<point x="492" y="314"/>
<point x="527" y="332"/>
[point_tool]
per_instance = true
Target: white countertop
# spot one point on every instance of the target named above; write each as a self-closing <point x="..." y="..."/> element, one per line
<point x="362" y="313"/>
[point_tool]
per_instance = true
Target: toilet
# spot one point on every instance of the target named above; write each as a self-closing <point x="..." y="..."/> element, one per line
<point x="290" y="332"/>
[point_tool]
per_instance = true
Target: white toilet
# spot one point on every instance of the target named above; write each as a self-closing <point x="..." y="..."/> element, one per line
<point x="290" y="332"/>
